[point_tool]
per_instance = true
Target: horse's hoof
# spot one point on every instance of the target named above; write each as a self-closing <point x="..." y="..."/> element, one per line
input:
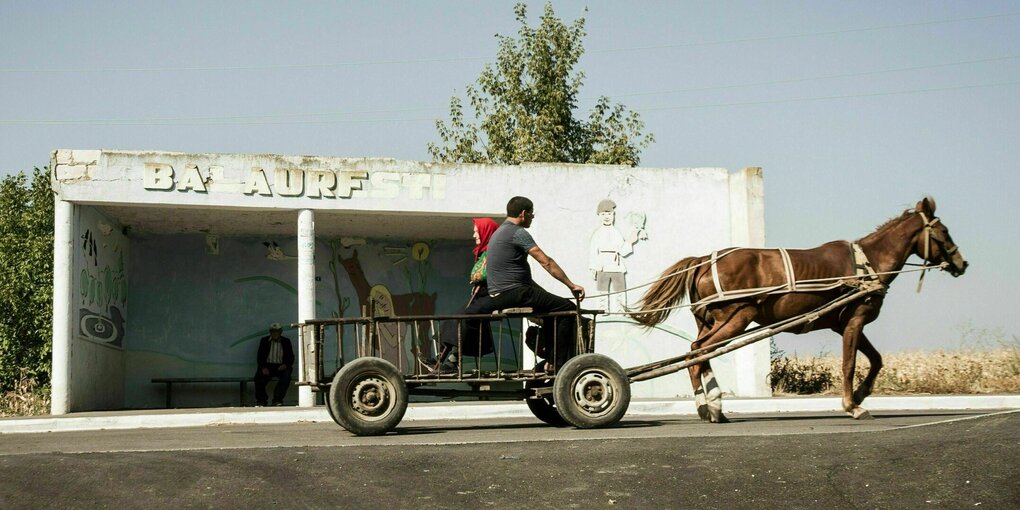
<point x="720" y="418"/>
<point x="703" y="412"/>
<point x="859" y="413"/>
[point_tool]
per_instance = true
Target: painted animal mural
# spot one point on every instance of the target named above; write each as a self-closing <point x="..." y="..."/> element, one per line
<point x="385" y="303"/>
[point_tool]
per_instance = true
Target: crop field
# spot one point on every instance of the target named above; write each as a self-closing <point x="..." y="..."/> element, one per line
<point x="930" y="372"/>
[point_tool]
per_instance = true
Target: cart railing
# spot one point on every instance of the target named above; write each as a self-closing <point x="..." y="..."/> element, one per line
<point x="413" y="342"/>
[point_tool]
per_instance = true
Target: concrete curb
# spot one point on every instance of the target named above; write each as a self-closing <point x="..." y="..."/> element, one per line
<point x="481" y="410"/>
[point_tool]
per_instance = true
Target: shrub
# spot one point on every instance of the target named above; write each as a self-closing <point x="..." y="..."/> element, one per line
<point x="792" y="375"/>
<point x="26" y="399"/>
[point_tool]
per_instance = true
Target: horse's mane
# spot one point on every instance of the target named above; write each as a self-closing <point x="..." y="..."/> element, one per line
<point x="888" y="224"/>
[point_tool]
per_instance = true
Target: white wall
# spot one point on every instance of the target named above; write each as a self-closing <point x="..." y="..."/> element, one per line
<point x="687" y="212"/>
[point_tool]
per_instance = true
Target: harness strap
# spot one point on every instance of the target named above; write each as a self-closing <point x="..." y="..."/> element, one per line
<point x="791" y="280"/>
<point x="715" y="275"/>
<point x="862" y="266"/>
<point x="927" y="245"/>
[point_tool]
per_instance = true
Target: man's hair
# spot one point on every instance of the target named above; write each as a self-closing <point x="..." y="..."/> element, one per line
<point x="517" y="205"/>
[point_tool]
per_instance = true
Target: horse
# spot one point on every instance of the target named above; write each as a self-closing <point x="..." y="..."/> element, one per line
<point x="724" y="278"/>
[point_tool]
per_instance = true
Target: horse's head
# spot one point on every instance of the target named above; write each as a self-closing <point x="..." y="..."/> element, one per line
<point x="934" y="244"/>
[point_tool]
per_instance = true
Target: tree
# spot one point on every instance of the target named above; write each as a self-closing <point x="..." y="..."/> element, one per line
<point x="525" y="105"/>
<point x="26" y="277"/>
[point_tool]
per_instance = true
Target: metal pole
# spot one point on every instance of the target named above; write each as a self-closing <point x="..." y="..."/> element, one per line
<point x="306" y="293"/>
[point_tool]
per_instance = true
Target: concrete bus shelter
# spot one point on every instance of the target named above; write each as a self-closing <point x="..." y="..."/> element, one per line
<point x="173" y="265"/>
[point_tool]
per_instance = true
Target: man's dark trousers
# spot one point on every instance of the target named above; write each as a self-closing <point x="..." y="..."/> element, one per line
<point x="280" y="391"/>
<point x="541" y="301"/>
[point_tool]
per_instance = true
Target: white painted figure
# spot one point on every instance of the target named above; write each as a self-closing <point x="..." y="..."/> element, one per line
<point x="607" y="251"/>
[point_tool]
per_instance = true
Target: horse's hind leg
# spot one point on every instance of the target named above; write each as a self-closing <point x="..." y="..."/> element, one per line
<point x="694" y="371"/>
<point x="713" y="395"/>
<point x="732" y="322"/>
<point x="875" y="364"/>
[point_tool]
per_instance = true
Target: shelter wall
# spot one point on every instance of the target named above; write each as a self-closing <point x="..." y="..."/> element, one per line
<point x="99" y="314"/>
<point x="194" y="313"/>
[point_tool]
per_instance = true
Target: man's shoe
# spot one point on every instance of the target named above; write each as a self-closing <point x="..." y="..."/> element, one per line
<point x="277" y="403"/>
<point x="260" y="404"/>
<point x="448" y="367"/>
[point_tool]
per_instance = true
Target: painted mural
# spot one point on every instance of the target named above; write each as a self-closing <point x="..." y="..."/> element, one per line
<point x="609" y="246"/>
<point x="200" y="312"/>
<point x="101" y="283"/>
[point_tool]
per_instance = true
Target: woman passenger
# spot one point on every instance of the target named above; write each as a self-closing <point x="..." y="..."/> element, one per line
<point x="477" y="340"/>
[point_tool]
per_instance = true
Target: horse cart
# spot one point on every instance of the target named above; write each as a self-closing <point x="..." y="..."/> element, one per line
<point x="839" y="286"/>
<point x="368" y="392"/>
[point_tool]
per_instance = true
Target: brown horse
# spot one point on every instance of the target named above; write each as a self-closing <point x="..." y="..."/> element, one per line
<point x="788" y="276"/>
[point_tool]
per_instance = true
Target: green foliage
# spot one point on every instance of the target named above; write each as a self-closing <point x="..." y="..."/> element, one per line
<point x="525" y="105"/>
<point x="791" y="375"/>
<point x="26" y="278"/>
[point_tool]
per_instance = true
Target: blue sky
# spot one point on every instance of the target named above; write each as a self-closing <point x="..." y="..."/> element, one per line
<point x="855" y="110"/>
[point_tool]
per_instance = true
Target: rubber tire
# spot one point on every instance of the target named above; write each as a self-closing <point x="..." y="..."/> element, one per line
<point x="592" y="372"/>
<point x="382" y="378"/>
<point x="329" y="407"/>
<point x="544" y="408"/>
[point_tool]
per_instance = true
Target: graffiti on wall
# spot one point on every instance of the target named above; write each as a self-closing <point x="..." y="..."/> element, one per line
<point x="379" y="300"/>
<point x="102" y="282"/>
<point x="608" y="249"/>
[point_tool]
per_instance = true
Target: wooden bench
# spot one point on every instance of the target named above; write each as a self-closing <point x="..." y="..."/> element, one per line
<point x="170" y="381"/>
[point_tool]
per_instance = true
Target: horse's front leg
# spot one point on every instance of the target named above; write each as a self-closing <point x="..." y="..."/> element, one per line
<point x="875" y="364"/>
<point x="851" y="336"/>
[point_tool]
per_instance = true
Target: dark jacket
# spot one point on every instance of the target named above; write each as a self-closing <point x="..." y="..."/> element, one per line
<point x="288" y="352"/>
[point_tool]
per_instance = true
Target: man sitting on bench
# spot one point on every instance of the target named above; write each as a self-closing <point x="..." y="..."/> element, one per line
<point x="275" y="359"/>
<point x="510" y="283"/>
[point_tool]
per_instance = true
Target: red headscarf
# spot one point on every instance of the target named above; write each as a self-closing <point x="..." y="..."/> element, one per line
<point x="486" y="227"/>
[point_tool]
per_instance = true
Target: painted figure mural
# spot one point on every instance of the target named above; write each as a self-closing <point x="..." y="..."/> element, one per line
<point x="607" y="250"/>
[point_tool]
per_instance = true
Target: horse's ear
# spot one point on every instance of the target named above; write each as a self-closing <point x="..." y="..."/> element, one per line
<point x="926" y="206"/>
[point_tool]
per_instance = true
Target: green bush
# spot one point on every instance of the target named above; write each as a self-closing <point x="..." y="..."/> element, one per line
<point x="792" y="375"/>
<point x="26" y="280"/>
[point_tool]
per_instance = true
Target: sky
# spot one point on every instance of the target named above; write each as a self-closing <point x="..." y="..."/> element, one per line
<point x="854" y="110"/>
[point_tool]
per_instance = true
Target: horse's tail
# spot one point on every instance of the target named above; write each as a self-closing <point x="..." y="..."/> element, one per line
<point x="672" y="287"/>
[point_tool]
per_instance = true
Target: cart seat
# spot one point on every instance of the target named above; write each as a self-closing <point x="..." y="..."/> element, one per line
<point x="521" y="310"/>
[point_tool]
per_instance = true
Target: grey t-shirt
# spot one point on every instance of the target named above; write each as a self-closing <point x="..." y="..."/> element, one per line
<point x="508" y="258"/>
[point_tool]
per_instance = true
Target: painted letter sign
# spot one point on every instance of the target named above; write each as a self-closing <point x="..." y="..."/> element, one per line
<point x="296" y="182"/>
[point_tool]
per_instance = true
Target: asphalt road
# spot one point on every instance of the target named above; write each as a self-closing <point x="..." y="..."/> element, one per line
<point x="904" y="460"/>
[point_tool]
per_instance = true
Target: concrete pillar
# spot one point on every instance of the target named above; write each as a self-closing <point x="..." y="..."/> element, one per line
<point x="306" y="292"/>
<point x="63" y="316"/>
<point x="747" y="228"/>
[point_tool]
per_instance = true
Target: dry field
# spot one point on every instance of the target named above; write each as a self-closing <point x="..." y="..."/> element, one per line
<point x="938" y="372"/>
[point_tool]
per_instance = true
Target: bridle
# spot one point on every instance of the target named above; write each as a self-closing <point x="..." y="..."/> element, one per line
<point x="929" y="234"/>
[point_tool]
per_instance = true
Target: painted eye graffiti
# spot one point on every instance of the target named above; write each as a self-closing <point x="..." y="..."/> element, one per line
<point x="98" y="328"/>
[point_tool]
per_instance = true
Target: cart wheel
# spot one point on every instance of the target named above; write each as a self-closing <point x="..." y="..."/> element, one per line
<point x="329" y="407"/>
<point x="368" y="397"/>
<point x="543" y="408"/>
<point x="591" y="390"/>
